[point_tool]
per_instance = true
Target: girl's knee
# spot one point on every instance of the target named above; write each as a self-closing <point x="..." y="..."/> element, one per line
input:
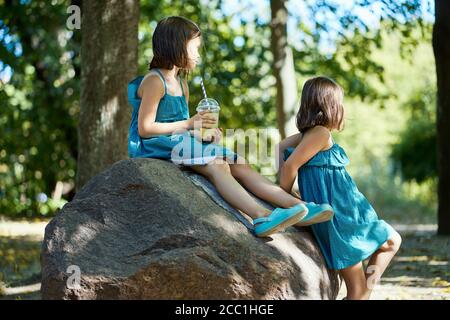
<point x="396" y="241"/>
<point x="218" y="167"/>
<point x="239" y="170"/>
<point x="393" y="243"/>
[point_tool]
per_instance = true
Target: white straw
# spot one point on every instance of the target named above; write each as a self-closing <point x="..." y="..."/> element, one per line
<point x="203" y="87"/>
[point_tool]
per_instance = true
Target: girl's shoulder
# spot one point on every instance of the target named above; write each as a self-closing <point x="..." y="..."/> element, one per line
<point x="319" y="130"/>
<point x="291" y="141"/>
<point x="152" y="82"/>
<point x="322" y="135"/>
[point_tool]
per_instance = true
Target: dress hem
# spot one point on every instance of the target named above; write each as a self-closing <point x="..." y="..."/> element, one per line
<point x="364" y="257"/>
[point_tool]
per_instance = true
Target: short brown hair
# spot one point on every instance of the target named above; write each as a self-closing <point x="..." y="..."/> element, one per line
<point x="170" y="40"/>
<point x="321" y="104"/>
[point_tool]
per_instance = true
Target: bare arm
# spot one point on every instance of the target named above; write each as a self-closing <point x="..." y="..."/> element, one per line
<point x="315" y="140"/>
<point x="291" y="141"/>
<point x="151" y="91"/>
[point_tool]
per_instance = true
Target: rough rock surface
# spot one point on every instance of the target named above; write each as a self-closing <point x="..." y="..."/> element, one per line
<point x="142" y="230"/>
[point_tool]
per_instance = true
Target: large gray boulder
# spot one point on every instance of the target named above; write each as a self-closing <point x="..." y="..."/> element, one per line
<point x="143" y="230"/>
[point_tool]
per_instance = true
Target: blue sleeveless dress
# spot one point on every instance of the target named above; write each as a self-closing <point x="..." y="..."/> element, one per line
<point x="180" y="147"/>
<point x="355" y="232"/>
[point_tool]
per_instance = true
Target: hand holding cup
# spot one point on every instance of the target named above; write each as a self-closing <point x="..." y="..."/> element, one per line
<point x="208" y="109"/>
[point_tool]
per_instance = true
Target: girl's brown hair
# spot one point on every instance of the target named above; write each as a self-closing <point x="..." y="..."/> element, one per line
<point x="170" y="40"/>
<point x="321" y="104"/>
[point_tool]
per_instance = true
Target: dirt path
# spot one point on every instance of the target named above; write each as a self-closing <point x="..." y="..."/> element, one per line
<point x="421" y="269"/>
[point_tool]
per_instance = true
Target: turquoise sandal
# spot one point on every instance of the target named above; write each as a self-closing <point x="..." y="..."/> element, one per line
<point x="317" y="213"/>
<point x="279" y="219"/>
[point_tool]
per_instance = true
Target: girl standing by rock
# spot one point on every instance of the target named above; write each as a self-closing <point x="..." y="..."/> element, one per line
<point x="354" y="233"/>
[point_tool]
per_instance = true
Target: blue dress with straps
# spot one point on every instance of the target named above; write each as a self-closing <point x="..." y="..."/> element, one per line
<point x="355" y="232"/>
<point x="179" y="147"/>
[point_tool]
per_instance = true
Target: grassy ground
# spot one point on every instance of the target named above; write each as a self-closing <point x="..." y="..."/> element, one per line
<point x="20" y="269"/>
<point x="421" y="269"/>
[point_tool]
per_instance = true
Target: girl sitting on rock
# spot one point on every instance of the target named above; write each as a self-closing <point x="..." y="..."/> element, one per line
<point x="161" y="123"/>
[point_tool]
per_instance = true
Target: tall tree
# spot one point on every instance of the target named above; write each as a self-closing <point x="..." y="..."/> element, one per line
<point x="109" y="47"/>
<point x="441" y="46"/>
<point x="283" y="69"/>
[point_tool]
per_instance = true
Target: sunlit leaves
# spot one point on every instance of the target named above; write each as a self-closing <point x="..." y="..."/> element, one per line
<point x="39" y="105"/>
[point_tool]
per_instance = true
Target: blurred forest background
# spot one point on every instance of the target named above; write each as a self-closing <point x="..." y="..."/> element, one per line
<point x="380" y="51"/>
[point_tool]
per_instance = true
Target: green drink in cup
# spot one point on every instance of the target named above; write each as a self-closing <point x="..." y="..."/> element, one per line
<point x="212" y="107"/>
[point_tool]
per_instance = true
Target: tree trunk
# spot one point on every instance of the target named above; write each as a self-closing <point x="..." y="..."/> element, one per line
<point x="283" y="66"/>
<point x="441" y="46"/>
<point x="109" y="47"/>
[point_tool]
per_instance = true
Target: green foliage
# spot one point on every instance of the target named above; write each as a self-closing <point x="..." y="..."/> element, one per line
<point x="235" y="62"/>
<point x="40" y="104"/>
<point x="348" y="58"/>
<point x="415" y="154"/>
<point x="38" y="136"/>
<point x="375" y="130"/>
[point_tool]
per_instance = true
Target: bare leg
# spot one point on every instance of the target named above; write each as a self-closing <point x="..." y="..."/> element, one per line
<point x="218" y="172"/>
<point x="359" y="283"/>
<point x="355" y="281"/>
<point x="381" y="258"/>
<point x="262" y="187"/>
